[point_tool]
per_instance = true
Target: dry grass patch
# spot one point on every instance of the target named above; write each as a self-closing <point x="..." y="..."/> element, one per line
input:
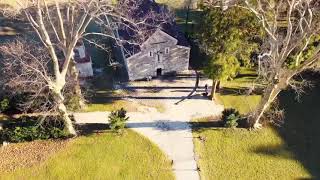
<point x="25" y="155"/>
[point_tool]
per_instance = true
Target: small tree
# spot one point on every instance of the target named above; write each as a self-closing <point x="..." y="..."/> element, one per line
<point x="230" y="118"/>
<point x="221" y="69"/>
<point x="117" y="120"/>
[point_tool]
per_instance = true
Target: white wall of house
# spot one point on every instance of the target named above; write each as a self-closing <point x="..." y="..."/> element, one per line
<point x="85" y="69"/>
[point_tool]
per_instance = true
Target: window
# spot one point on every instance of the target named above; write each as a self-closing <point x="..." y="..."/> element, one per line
<point x="151" y="54"/>
<point x="167" y="50"/>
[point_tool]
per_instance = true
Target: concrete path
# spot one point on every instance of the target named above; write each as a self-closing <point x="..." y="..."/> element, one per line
<point x="170" y="131"/>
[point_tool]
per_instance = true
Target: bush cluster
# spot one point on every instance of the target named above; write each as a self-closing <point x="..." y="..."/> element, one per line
<point x="29" y="129"/>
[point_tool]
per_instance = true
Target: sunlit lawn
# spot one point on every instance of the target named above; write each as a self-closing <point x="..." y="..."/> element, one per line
<point x="243" y="154"/>
<point x="111" y="106"/>
<point x="103" y="156"/>
<point x="270" y="153"/>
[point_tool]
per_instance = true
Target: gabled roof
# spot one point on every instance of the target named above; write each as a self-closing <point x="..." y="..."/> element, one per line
<point x="161" y="33"/>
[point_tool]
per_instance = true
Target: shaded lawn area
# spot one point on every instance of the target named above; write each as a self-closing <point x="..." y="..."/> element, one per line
<point x="175" y="4"/>
<point x="180" y="9"/>
<point x="102" y="156"/>
<point x="301" y="128"/>
<point x="100" y="95"/>
<point x="289" y="152"/>
<point x="231" y="95"/>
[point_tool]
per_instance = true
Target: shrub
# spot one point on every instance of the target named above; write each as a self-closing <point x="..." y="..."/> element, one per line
<point x="230" y="118"/>
<point x="4" y="105"/>
<point x="28" y="129"/>
<point x="231" y="121"/>
<point x="117" y="120"/>
<point x="73" y="103"/>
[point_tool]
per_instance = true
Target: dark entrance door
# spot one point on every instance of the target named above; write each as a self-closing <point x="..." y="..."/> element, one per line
<point x="159" y="72"/>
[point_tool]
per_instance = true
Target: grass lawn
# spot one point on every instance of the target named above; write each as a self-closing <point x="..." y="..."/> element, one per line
<point x="289" y="152"/>
<point x="175" y="4"/>
<point x="243" y="154"/>
<point x="231" y="97"/>
<point x="102" y="156"/>
<point x="111" y="106"/>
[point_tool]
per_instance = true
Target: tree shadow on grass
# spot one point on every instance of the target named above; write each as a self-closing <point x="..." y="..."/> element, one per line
<point x="273" y="150"/>
<point x="301" y="128"/>
<point x="300" y="131"/>
<point x="232" y="91"/>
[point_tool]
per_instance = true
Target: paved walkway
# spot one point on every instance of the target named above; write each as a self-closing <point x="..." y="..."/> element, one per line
<point x="169" y="130"/>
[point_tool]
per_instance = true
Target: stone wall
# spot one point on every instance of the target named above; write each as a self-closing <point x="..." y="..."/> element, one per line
<point x="142" y="65"/>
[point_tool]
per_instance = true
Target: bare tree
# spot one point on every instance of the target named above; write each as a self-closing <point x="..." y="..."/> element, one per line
<point x="25" y="71"/>
<point x="59" y="26"/>
<point x="291" y="47"/>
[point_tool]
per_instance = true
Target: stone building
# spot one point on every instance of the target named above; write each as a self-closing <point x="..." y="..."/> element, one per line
<point x="166" y="49"/>
<point x="160" y="54"/>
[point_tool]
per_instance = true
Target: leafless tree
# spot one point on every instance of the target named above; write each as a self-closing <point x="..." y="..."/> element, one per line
<point x="25" y="70"/>
<point x="291" y="47"/>
<point x="59" y="26"/>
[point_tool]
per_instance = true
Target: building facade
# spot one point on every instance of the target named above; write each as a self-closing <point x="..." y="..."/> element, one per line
<point x="160" y="54"/>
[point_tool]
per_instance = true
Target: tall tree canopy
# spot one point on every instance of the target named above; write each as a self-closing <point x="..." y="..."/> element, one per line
<point x="229" y="38"/>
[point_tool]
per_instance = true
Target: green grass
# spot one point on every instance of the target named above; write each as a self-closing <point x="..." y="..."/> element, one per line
<point x="242" y="154"/>
<point x="111" y="106"/>
<point x="180" y="9"/>
<point x="232" y="95"/>
<point x="289" y="152"/>
<point x="175" y="4"/>
<point x="127" y="105"/>
<point x="103" y="156"/>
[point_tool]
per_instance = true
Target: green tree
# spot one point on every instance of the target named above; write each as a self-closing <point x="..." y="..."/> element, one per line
<point x="221" y="68"/>
<point x="229" y="38"/>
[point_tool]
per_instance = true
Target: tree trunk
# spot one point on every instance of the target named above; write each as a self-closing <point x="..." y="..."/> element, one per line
<point x="218" y="85"/>
<point x="268" y="97"/>
<point x="64" y="114"/>
<point x="214" y="89"/>
<point x="77" y="89"/>
<point x="68" y="123"/>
